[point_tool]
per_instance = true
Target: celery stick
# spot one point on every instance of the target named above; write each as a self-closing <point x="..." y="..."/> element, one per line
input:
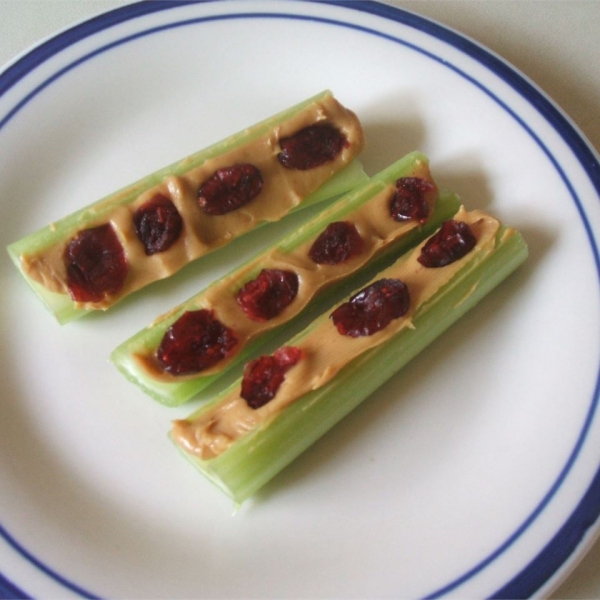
<point x="254" y="459"/>
<point x="58" y="300"/>
<point x="174" y="391"/>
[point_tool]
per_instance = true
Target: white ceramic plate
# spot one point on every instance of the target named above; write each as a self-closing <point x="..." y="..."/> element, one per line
<point x="474" y="472"/>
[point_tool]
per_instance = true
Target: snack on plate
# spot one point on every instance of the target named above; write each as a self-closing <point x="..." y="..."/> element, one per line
<point x="93" y="258"/>
<point x="287" y="400"/>
<point x="197" y="342"/>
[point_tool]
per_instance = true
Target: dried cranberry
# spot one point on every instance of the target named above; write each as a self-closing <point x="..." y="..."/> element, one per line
<point x="230" y="188"/>
<point x="337" y="243"/>
<point x="266" y="296"/>
<point x="263" y="375"/>
<point x="158" y="224"/>
<point x="453" y="241"/>
<point x="311" y="147"/>
<point x="196" y="341"/>
<point x="372" y="309"/>
<point x="96" y="264"/>
<point x="409" y="200"/>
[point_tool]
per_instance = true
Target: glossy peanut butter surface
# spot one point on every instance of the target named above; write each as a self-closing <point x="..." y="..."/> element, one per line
<point x="377" y="230"/>
<point x="283" y="189"/>
<point x="326" y="352"/>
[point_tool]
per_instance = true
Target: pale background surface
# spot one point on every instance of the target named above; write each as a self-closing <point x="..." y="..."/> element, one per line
<point x="556" y="43"/>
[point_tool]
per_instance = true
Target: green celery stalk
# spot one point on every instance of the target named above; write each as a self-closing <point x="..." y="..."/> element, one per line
<point x="257" y="457"/>
<point x="176" y="392"/>
<point x="61" y="305"/>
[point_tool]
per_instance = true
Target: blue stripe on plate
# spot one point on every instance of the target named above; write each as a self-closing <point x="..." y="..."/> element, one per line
<point x="566" y="540"/>
<point x="9" y="591"/>
<point x="42" y="567"/>
<point x="56" y="44"/>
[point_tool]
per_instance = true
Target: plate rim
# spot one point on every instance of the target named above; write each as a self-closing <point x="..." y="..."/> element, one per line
<point x="567" y="543"/>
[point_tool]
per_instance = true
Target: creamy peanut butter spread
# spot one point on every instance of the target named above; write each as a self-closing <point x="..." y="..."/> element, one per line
<point x="283" y="189"/>
<point x="375" y="226"/>
<point x="326" y="352"/>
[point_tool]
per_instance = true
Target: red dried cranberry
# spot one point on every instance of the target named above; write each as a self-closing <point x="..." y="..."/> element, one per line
<point x="311" y="147"/>
<point x="196" y="341"/>
<point x="266" y="296"/>
<point x="230" y="188"/>
<point x="372" y="309"/>
<point x="263" y="376"/>
<point x="409" y="200"/>
<point x="337" y="243"/>
<point x="453" y="241"/>
<point x="96" y="264"/>
<point x="158" y="224"/>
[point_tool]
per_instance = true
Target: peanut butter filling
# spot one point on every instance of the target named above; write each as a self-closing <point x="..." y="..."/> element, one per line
<point x="326" y="352"/>
<point x="377" y="229"/>
<point x="283" y="190"/>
